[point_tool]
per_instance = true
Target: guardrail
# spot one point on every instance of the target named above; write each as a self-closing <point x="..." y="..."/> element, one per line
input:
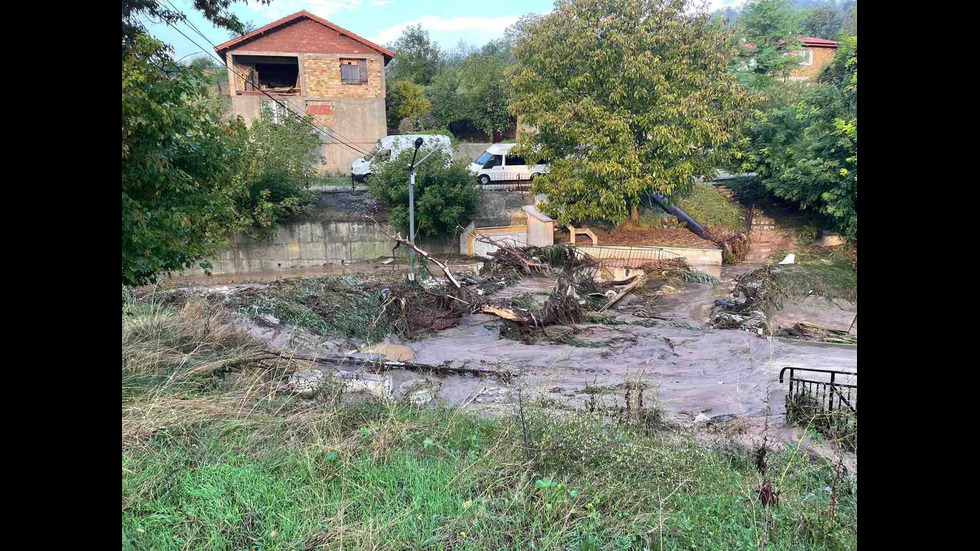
<point x="824" y="392"/>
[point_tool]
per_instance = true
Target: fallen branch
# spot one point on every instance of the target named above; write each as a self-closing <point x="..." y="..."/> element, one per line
<point x="626" y="290"/>
<point x="397" y="238"/>
<point x="505" y="313"/>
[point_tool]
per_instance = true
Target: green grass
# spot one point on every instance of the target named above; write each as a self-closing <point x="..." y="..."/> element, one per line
<point x="709" y="208"/>
<point x="817" y="273"/>
<point x="398" y="478"/>
<point x="229" y="463"/>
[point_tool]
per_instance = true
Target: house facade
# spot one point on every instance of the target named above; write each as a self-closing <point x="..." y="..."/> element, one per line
<point x="318" y="68"/>
<point x="815" y="54"/>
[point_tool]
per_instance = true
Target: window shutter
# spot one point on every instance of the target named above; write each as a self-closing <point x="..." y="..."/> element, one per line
<point x="362" y="69"/>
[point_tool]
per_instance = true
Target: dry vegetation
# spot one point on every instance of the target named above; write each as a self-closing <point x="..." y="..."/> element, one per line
<point x="216" y="456"/>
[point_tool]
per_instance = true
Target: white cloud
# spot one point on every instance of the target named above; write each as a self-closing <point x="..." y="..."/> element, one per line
<point x="323" y="8"/>
<point x="489" y="26"/>
<point x="713" y="5"/>
<point x="381" y="2"/>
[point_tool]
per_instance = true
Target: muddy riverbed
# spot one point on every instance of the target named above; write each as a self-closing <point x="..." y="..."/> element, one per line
<point x="683" y="366"/>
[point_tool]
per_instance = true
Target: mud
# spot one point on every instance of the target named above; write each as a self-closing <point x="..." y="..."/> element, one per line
<point x="685" y="367"/>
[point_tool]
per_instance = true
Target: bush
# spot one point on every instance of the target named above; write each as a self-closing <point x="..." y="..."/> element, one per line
<point x="445" y="196"/>
<point x="406" y="100"/>
<point x="807" y="235"/>
<point x="279" y="165"/>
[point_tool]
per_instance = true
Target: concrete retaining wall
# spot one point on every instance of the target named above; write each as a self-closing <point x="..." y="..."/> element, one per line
<point x="468" y="152"/>
<point x="310" y="245"/>
<point x="694" y="256"/>
<point x="502" y="208"/>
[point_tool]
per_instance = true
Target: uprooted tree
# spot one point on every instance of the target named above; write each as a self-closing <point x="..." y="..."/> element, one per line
<point x="628" y="97"/>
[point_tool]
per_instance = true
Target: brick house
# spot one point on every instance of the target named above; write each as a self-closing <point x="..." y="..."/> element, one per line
<point x="328" y="72"/>
<point x="816" y="53"/>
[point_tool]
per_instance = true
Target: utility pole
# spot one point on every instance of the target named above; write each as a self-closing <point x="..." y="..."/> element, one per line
<point x="411" y="203"/>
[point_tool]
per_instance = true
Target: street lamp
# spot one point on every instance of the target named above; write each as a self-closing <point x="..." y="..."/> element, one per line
<point x="411" y="203"/>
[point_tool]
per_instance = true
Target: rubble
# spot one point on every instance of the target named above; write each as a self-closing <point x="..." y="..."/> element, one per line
<point x="746" y="306"/>
<point x="305" y="383"/>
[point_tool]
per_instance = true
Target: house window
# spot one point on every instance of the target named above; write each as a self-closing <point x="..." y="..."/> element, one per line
<point x="353" y="71"/>
<point x="806" y="57"/>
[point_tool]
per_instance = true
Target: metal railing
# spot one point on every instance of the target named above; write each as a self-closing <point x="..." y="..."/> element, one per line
<point x="513" y="185"/>
<point x="626" y="257"/>
<point x="829" y="389"/>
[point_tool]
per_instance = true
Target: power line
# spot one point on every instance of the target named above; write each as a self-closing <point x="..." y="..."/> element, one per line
<point x="321" y="131"/>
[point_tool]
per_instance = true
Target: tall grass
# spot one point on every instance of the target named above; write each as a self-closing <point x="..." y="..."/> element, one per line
<point x="224" y="461"/>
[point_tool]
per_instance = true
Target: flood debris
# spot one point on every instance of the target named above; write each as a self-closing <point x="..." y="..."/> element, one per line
<point x="734" y="248"/>
<point x="305" y="383"/>
<point x="746" y="306"/>
<point x="626" y="290"/>
<point x="812" y="332"/>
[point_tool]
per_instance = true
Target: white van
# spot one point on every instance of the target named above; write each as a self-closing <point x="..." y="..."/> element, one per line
<point x="390" y="146"/>
<point x="496" y="164"/>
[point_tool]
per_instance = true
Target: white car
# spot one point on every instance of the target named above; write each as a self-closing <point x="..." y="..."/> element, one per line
<point x="390" y="146"/>
<point x="497" y="165"/>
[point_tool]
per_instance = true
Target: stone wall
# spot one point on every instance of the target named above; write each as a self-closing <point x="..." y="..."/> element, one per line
<point x="340" y="235"/>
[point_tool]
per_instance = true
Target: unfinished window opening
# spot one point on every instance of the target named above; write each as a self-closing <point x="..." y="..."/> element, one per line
<point x="353" y="71"/>
<point x="269" y="74"/>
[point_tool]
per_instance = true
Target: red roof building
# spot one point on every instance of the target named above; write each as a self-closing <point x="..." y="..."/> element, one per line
<point x="315" y="68"/>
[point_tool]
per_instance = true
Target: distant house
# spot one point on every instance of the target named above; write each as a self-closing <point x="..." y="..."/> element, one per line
<point x="318" y="68"/>
<point x="816" y="53"/>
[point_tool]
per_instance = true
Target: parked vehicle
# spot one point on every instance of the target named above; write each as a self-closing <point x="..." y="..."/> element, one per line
<point x="496" y="164"/>
<point x="390" y="146"/>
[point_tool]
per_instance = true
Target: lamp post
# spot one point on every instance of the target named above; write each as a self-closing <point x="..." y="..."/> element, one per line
<point x="411" y="203"/>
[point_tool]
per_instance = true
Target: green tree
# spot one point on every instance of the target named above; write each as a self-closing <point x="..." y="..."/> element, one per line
<point x="484" y="86"/>
<point x="628" y="97"/>
<point x="279" y="164"/>
<point x="449" y="105"/>
<point x="849" y="26"/>
<point x="188" y="176"/>
<point x="823" y="21"/>
<point x="406" y="100"/>
<point x="445" y="196"/>
<point x="180" y="184"/>
<point x="806" y="151"/>
<point x="770" y="29"/>
<point x="416" y="57"/>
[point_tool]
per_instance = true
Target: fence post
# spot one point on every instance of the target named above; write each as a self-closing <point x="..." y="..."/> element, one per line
<point x="830" y="406"/>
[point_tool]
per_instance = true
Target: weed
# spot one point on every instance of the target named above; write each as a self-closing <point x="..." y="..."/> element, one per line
<point x="236" y="465"/>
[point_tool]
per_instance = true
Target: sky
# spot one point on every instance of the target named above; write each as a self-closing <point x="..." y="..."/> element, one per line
<point x="380" y="21"/>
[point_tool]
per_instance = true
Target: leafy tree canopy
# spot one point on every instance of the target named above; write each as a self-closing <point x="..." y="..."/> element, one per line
<point x="770" y="29"/>
<point x="180" y="187"/>
<point x="823" y="21"/>
<point x="628" y="97"/>
<point x="445" y="196"/>
<point x="406" y="100"/>
<point x="416" y="57"/>
<point x="806" y="151"/>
